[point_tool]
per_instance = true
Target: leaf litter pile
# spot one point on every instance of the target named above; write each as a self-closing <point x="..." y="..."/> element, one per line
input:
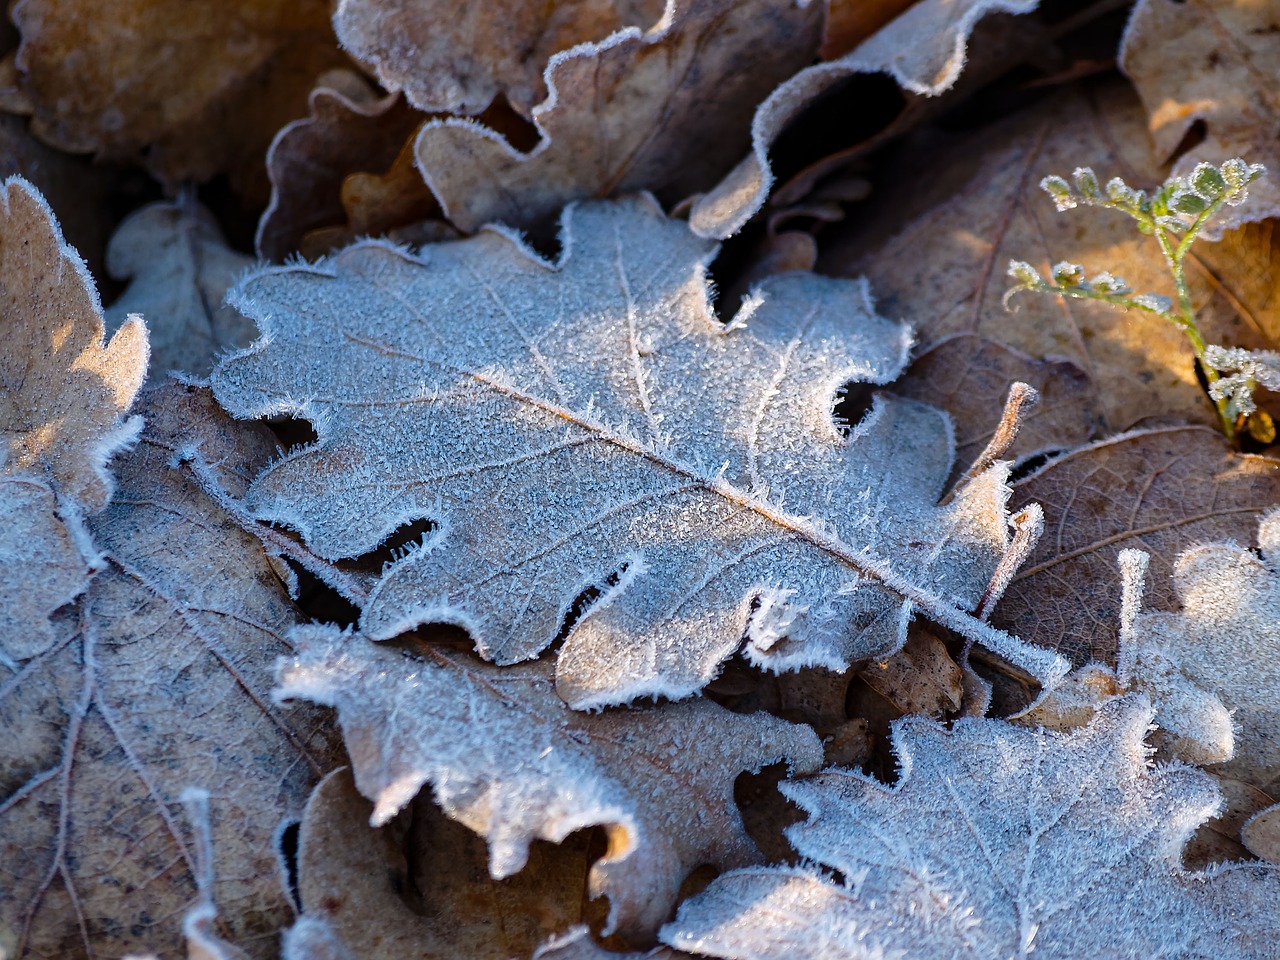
<point x="565" y="481"/>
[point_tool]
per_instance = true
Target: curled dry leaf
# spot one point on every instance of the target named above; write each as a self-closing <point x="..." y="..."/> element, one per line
<point x="195" y="88"/>
<point x="1214" y="63"/>
<point x="350" y="128"/>
<point x="458" y="59"/>
<point x="621" y="441"/>
<point x="1212" y="669"/>
<point x="507" y="758"/>
<point x="997" y="841"/>
<point x="159" y="680"/>
<point x="179" y="268"/>
<point x="665" y="111"/>
<point x="974" y="207"/>
<point x="62" y="415"/>
<point x="1159" y="490"/>
<point x="419" y="887"/>
<point x="923" y="49"/>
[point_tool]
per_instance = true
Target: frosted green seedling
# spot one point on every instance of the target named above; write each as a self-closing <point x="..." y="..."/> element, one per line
<point x="1175" y="214"/>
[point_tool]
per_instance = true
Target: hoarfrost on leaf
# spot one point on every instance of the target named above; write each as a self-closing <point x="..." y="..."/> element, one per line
<point x="66" y="393"/>
<point x="589" y="425"/>
<point x="998" y="841"/>
<point x="1213" y="668"/>
<point x="507" y="758"/>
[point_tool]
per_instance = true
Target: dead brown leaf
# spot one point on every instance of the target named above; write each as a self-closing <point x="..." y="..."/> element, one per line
<point x="1160" y="490"/>
<point x="969" y="377"/>
<point x="459" y="58"/>
<point x="919" y="678"/>
<point x="159" y="680"/>
<point x="666" y="111"/>
<point x="1210" y="69"/>
<point x="977" y="205"/>
<point x="179" y="268"/>
<point x="192" y="88"/>
<point x="419" y="887"/>
<point x="350" y="128"/>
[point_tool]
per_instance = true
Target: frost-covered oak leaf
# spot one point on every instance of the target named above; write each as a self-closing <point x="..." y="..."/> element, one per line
<point x="507" y="758"/>
<point x="64" y="400"/>
<point x="998" y="841"/>
<point x="1212" y="669"/>
<point x="590" y="424"/>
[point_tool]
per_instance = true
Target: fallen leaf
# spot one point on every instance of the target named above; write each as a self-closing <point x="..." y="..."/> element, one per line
<point x="447" y="58"/>
<point x="923" y="50"/>
<point x="349" y="129"/>
<point x="507" y="758"/>
<point x="974" y="207"/>
<point x="159" y="680"/>
<point x="179" y="268"/>
<point x="1160" y="490"/>
<point x="621" y="440"/>
<point x="194" y="89"/>
<point x="419" y="886"/>
<point x="997" y="841"/>
<point x="1214" y="63"/>
<point x="1261" y="834"/>
<point x="665" y="111"/>
<point x="920" y="678"/>
<point x="66" y="391"/>
<point x="62" y="415"/>
<point x="1212" y="668"/>
<point x="969" y="377"/>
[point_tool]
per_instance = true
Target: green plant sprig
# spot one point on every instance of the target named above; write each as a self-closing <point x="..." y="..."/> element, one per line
<point x="1175" y="214"/>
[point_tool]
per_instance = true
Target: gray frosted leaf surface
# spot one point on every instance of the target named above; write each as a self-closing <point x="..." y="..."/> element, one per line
<point x="507" y="758"/>
<point x="590" y="424"/>
<point x="998" y="841"/>
<point x="157" y="680"/>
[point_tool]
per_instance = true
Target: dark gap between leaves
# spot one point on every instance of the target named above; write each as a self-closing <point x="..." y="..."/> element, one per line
<point x="1026" y="467"/>
<point x="287" y="845"/>
<point x="853" y="402"/>
<point x="293" y="432"/>
<point x="320" y="602"/>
